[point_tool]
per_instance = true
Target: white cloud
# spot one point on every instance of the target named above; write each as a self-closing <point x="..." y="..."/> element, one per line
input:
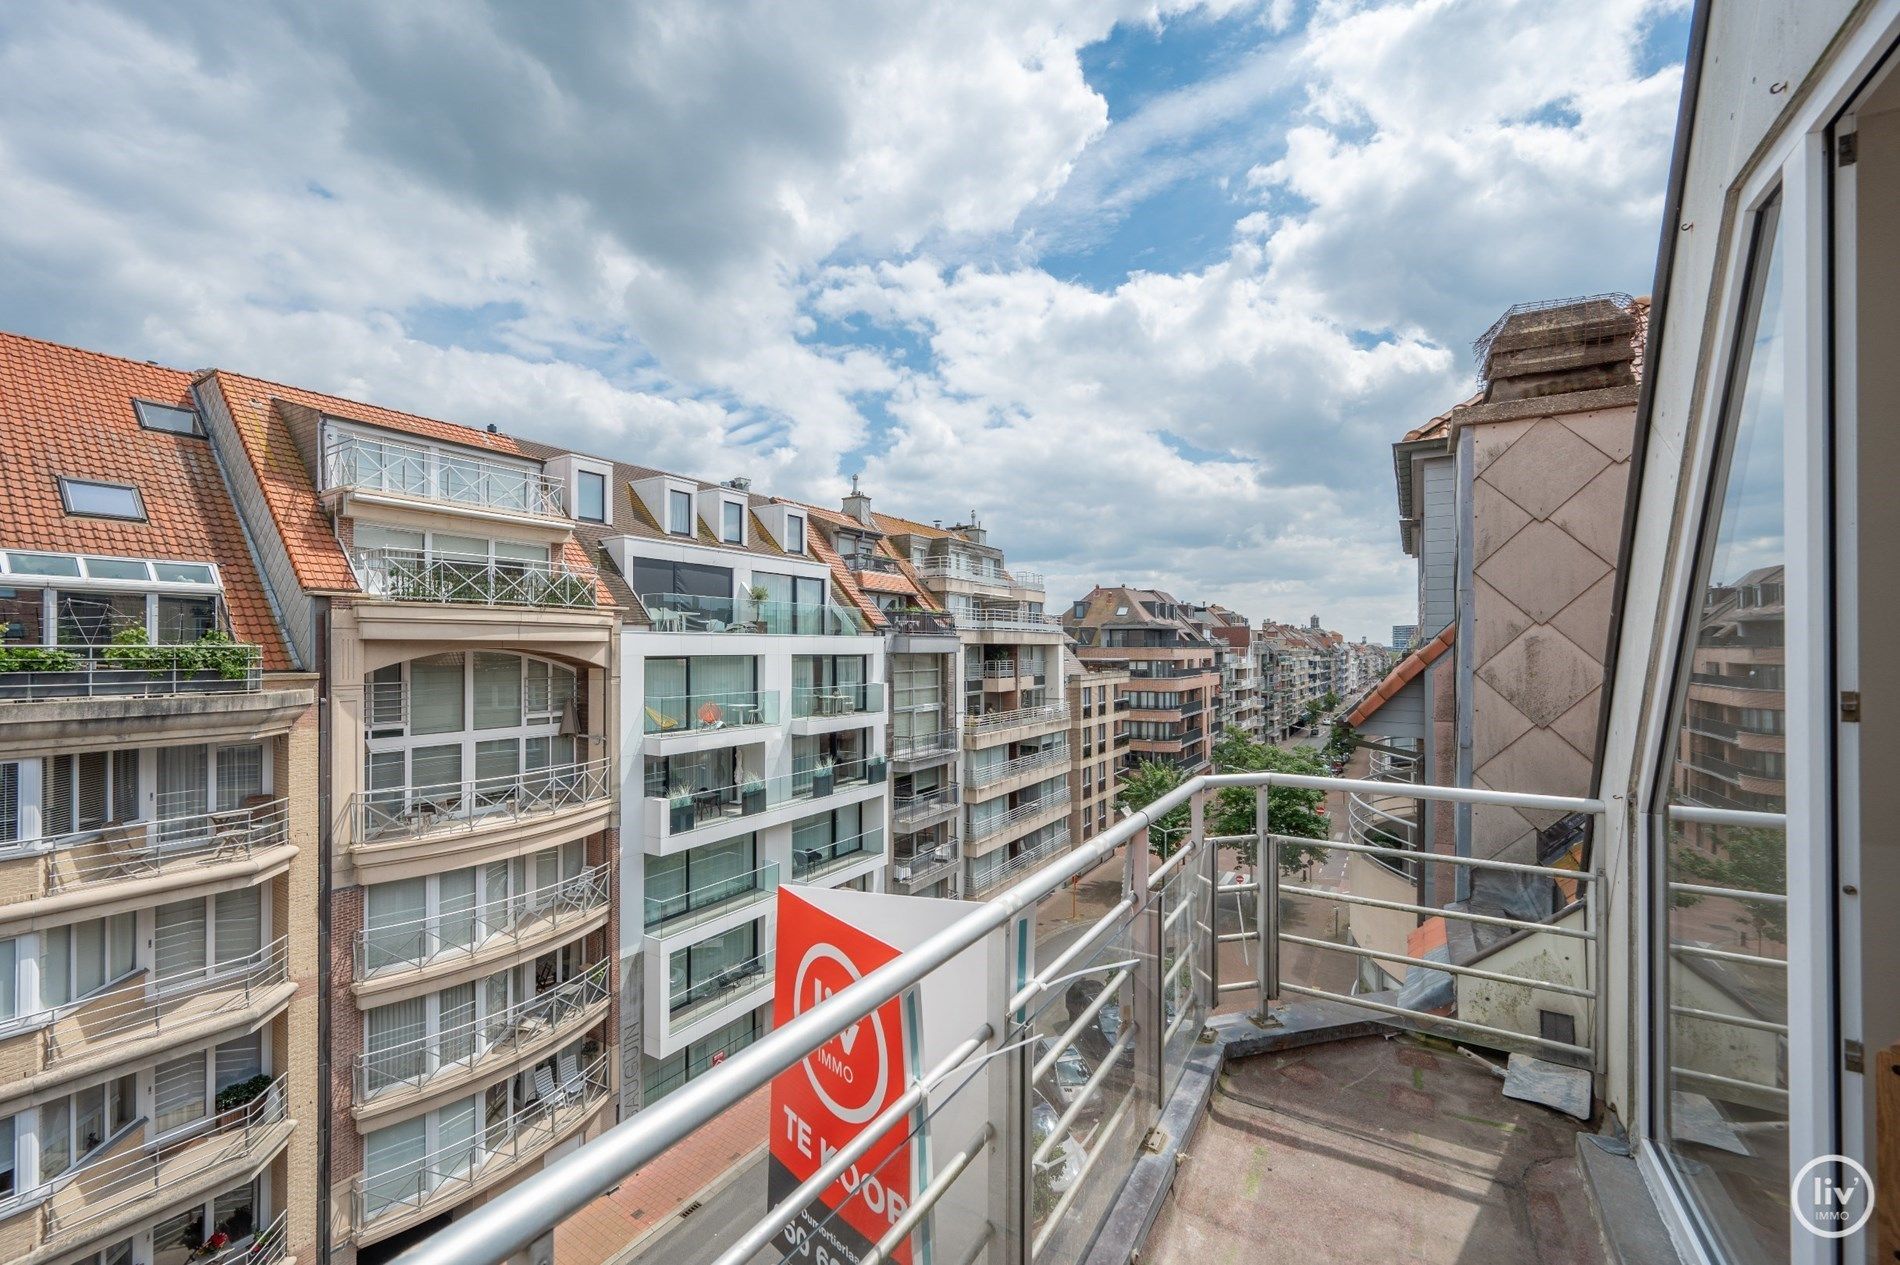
<point x="623" y="230"/>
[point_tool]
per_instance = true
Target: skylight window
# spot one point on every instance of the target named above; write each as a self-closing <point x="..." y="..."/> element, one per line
<point x="166" y="417"/>
<point x="101" y="500"/>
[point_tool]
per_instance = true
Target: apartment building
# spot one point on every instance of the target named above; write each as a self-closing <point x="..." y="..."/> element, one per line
<point x="1239" y="706"/>
<point x="1173" y="680"/>
<point x="923" y="660"/>
<point x="1015" y="716"/>
<point x="159" y="1093"/>
<point x="1097" y="741"/>
<point x="431" y="575"/>
<point x="754" y="737"/>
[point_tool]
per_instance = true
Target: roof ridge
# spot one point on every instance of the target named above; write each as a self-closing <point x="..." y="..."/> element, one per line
<point x="482" y="432"/>
<point x="99" y="355"/>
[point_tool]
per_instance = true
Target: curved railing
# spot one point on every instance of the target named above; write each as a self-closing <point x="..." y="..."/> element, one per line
<point x="463" y="933"/>
<point x="140" y="849"/>
<point x="391" y="813"/>
<point x="410" y="575"/>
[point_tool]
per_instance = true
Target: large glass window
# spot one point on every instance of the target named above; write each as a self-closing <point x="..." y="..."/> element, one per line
<point x="699" y="878"/>
<point x="654" y="576"/>
<point x="1722" y="985"/>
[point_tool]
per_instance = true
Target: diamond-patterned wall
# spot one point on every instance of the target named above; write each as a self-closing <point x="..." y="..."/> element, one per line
<point x="1547" y="514"/>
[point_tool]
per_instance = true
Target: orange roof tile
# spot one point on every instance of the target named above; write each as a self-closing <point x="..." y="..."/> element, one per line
<point x="1403" y="675"/>
<point x="64" y="411"/>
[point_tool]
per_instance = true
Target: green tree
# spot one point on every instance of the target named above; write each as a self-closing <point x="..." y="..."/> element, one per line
<point x="1291" y="810"/>
<point x="1331" y="701"/>
<point x="1746" y="859"/>
<point x="1340" y="743"/>
<point x="1312" y="711"/>
<point x="1150" y="780"/>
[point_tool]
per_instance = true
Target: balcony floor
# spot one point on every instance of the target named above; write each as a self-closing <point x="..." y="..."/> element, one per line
<point x="1375" y="1148"/>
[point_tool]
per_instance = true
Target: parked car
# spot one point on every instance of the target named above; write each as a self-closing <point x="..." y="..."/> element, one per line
<point x="1066" y="1079"/>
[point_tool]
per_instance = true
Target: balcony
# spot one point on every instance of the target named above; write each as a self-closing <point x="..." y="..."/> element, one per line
<point x="483" y="934"/>
<point x="1022" y="579"/>
<point x="688" y="612"/>
<point x="172" y="852"/>
<point x="811" y="864"/>
<point x="396" y="1198"/>
<point x="142" y="1018"/>
<point x="703" y="997"/>
<point x="927" y="865"/>
<point x="128" y="1186"/>
<point x="411" y="575"/>
<point x="1008" y="621"/>
<point x="914" y="812"/>
<point x="707" y="715"/>
<point x="1014" y="819"/>
<point x="31" y="674"/>
<point x="916" y="748"/>
<point x="857" y="563"/>
<point x="921" y="624"/>
<point x="956" y="567"/>
<point x="671" y="915"/>
<point x="982" y="777"/>
<point x="984" y="724"/>
<point x="391" y="815"/>
<point x="814" y="707"/>
<point x="391" y="467"/>
<point x="450" y="1060"/>
<point x="685" y="817"/>
<point x="1024" y="861"/>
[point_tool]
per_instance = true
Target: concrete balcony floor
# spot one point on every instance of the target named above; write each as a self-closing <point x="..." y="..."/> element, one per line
<point x="1375" y="1148"/>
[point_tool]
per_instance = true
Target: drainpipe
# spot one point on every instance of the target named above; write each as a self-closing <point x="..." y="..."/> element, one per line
<point x="321" y="611"/>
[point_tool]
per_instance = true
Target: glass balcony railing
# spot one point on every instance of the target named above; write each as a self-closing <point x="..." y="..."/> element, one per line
<point x="704" y="712"/>
<point x="922" y="623"/>
<point x="411" y="575"/>
<point x="810" y="862"/>
<point x="686" y="810"/>
<point x="388" y="814"/>
<point x="688" y="612"/>
<point x="854" y="699"/>
<point x="389" y="465"/>
<point x="687" y="1001"/>
<point x="679" y="911"/>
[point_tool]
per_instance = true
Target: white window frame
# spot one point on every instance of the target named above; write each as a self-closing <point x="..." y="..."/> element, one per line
<point x="545" y="725"/>
<point x="581" y="475"/>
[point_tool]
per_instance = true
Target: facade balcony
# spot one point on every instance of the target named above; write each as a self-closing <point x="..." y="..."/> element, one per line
<point x="911" y="813"/>
<point x="828" y="708"/>
<point x="884" y="564"/>
<point x="993" y="779"/>
<point x="458" y="1059"/>
<point x="919" y="748"/>
<point x="811" y="864"/>
<point x="922" y="632"/>
<point x="982" y="572"/>
<point x="392" y="470"/>
<point x="686" y="818"/>
<point x="481" y="937"/>
<point x="549" y="804"/>
<point x="926" y="865"/>
<point x="139" y="1177"/>
<point x="694" y="722"/>
<point x="143" y="1018"/>
<point x="394" y="1199"/>
<point x="1021" y="819"/>
<point x="672" y="914"/>
<point x="993" y="621"/>
<point x="144" y="858"/>
<point x="693" y="613"/>
<point x="33" y="674"/>
<point x="1042" y="717"/>
<point x="680" y="1011"/>
<point x="1022" y="579"/>
<point x="988" y="879"/>
<point x="413" y="575"/>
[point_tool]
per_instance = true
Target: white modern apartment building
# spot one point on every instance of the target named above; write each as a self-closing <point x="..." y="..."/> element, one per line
<point x="754" y="725"/>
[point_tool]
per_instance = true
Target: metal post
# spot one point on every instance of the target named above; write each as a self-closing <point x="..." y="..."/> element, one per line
<point x="1010" y="1184"/>
<point x="1266" y="906"/>
<point x="1211" y="985"/>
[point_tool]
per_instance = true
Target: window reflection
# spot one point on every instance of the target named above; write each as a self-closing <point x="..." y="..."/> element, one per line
<point x="1723" y="1035"/>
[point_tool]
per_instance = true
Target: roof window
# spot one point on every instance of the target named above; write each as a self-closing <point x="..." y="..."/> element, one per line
<point x="167" y="417"/>
<point x="101" y="500"/>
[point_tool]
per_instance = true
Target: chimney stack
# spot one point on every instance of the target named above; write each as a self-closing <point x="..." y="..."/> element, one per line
<point x="858" y="503"/>
<point x="1541" y="349"/>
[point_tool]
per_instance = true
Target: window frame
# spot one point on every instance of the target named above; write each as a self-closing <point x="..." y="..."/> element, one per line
<point x="140" y="405"/>
<point x="68" y="483"/>
<point x="581" y="481"/>
<point x="676" y="498"/>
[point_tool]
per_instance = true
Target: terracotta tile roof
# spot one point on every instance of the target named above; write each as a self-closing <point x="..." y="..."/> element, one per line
<point x="1403" y="675"/>
<point x="64" y="411"/>
<point x="895" y="526"/>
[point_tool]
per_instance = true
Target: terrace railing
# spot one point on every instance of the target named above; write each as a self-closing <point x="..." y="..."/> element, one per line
<point x="462" y="933"/>
<point x="411" y="575"/>
<point x="388" y="814"/>
<point x="30" y="674"/>
<point x="390" y="465"/>
<point x="140" y="849"/>
<point x="990" y="722"/>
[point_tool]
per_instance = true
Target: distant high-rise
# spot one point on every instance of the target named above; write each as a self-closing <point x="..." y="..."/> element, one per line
<point x="1403" y="635"/>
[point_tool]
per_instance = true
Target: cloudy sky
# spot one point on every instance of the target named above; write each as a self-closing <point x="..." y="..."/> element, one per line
<point x="1150" y="287"/>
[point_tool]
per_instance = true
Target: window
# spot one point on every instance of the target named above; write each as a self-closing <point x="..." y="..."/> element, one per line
<point x="794" y="533"/>
<point x="166" y="417"/>
<point x="655" y="576"/>
<point x="590" y="496"/>
<point x="101" y="500"/>
<point x="732" y="522"/>
<point x="1720" y="1074"/>
<point x="679" y="513"/>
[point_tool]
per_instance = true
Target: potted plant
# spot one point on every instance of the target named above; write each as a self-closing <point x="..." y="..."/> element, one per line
<point x="244" y="1091"/>
<point x="759" y="596"/>
<point x="752" y="794"/>
<point x="682" y="808"/>
<point x="874" y="769"/>
<point x="821" y="775"/>
<point x="39" y="660"/>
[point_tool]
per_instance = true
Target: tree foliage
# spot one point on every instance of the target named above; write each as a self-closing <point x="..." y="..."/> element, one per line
<point x="1747" y="859"/>
<point x="1290" y="810"/>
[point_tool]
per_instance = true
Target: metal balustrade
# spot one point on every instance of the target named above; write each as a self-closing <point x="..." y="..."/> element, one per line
<point x="919" y="746"/>
<point x="443" y="1177"/>
<point x="921" y="623"/>
<point x="388" y="814"/>
<point x="1076" y="1065"/>
<point x="1042" y="850"/>
<point x="261" y="1247"/>
<point x="140" y="849"/>
<point x="411" y="1065"/>
<point x="1007" y="621"/>
<point x="692" y="612"/>
<point x="912" y="866"/>
<point x="852" y="698"/>
<point x="669" y="915"/>
<point x="150" y="1007"/>
<point x="131" y="671"/>
<point x="413" y="575"/>
<point x="1026" y="579"/>
<point x="907" y="810"/>
<point x="390" y="465"/>
<point x="462" y="933"/>
<point x="1029" y="810"/>
<point x="114" y="1183"/>
<point x="985" y="775"/>
<point x="954" y="567"/>
<point x="990" y="722"/>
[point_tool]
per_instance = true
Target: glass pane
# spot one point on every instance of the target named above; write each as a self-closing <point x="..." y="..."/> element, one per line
<point x="497" y="691"/>
<point x="20" y="623"/>
<point x="92" y="619"/>
<point x="435" y="694"/>
<point x="183" y="619"/>
<point x="1723" y="1034"/>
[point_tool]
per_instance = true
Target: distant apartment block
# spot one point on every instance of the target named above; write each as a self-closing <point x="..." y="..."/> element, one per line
<point x="1173" y="682"/>
<point x="1403" y="635"/>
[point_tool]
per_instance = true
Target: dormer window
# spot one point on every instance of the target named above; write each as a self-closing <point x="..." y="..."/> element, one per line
<point x="732" y="522"/>
<point x="590" y="496"/>
<point x="166" y="417"/>
<point x="679" y="513"/>
<point x="91" y="499"/>
<point x="794" y="533"/>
